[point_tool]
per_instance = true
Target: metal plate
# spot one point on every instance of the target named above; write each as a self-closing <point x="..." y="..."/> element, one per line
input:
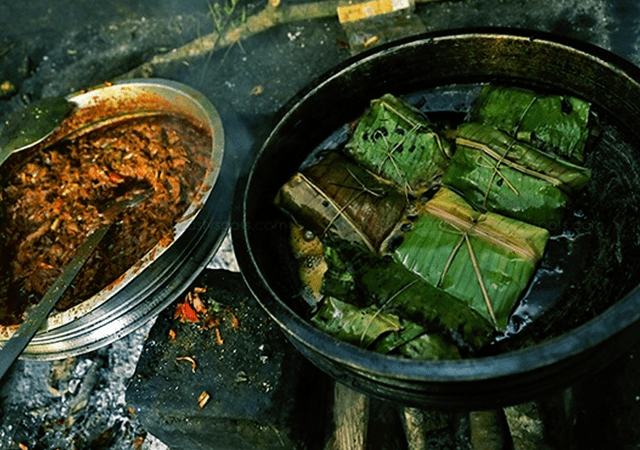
<point x="164" y="271"/>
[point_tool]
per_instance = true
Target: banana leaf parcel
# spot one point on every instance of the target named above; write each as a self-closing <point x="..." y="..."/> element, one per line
<point x="394" y="140"/>
<point x="497" y="173"/>
<point x="379" y="331"/>
<point x="484" y="260"/>
<point x="382" y="284"/>
<point x="338" y="197"/>
<point x="554" y="123"/>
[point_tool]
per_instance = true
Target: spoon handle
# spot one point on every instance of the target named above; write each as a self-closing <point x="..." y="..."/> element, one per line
<point x="21" y="338"/>
<point x="13" y="348"/>
<point x="31" y="124"/>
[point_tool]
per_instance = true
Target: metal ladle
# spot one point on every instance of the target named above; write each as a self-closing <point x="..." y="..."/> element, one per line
<point x="31" y="125"/>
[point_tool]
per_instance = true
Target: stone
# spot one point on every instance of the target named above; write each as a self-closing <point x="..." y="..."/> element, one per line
<point x="232" y="382"/>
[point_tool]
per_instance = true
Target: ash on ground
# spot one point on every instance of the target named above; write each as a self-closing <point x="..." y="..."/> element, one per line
<point x="79" y="403"/>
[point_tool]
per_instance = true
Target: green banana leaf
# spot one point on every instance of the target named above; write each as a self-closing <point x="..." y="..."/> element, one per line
<point x="387" y="285"/>
<point x="338" y="197"/>
<point x="497" y="173"/>
<point x="339" y="279"/>
<point x="484" y="260"/>
<point x="359" y="326"/>
<point x="415" y="342"/>
<point x="429" y="346"/>
<point x="555" y="123"/>
<point x="382" y="332"/>
<point x="394" y="140"/>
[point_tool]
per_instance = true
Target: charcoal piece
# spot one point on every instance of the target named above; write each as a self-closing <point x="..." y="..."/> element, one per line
<point x="262" y="394"/>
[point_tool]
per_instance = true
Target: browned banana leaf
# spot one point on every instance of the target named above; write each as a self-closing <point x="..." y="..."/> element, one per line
<point x="341" y="198"/>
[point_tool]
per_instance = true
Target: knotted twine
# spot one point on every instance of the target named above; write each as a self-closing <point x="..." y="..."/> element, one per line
<point x="465" y="233"/>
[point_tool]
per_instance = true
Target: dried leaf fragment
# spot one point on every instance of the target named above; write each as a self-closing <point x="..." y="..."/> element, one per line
<point x="372" y="40"/>
<point x="138" y="442"/>
<point x="198" y="304"/>
<point x="194" y="365"/>
<point x="235" y="322"/>
<point x="203" y="399"/>
<point x="219" y="337"/>
<point x="7" y="88"/>
<point x="210" y="322"/>
<point x="62" y="371"/>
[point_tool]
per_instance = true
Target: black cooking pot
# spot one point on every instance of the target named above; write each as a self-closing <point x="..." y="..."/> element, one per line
<point x="588" y="304"/>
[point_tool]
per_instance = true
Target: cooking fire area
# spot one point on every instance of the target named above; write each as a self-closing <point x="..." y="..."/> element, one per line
<point x="209" y="368"/>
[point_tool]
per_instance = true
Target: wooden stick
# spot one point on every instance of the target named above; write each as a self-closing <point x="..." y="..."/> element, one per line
<point x="489" y="430"/>
<point x="272" y="15"/>
<point x="351" y="419"/>
<point x="420" y="423"/>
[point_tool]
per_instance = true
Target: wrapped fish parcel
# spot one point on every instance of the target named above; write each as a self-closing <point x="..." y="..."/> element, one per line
<point x="484" y="260"/>
<point x="425" y="236"/>
<point x="554" y="123"/>
<point x="338" y="197"/>
<point x="394" y="140"/>
<point x="381" y="332"/>
<point x="380" y="285"/>
<point x="497" y="173"/>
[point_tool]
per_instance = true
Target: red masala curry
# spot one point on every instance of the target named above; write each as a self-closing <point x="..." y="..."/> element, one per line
<point x="52" y="198"/>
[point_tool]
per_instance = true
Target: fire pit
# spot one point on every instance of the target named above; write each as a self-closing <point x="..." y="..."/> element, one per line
<point x="47" y="50"/>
